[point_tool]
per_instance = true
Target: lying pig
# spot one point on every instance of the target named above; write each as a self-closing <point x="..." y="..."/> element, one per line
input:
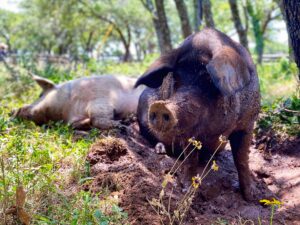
<point x="205" y="88"/>
<point x="84" y="103"/>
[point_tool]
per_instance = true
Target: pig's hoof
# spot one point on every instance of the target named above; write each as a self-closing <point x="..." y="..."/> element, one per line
<point x="82" y="124"/>
<point x="121" y="127"/>
<point x="160" y="148"/>
<point x="252" y="194"/>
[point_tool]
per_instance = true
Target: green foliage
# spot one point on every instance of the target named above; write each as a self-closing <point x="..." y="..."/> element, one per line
<point x="79" y="29"/>
<point x="277" y="80"/>
<point x="283" y="116"/>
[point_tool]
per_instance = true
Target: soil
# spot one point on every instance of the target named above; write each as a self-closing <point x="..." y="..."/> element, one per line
<point x="131" y="169"/>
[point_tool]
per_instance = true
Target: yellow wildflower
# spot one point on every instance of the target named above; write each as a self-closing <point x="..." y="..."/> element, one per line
<point x="168" y="178"/>
<point x="196" y="181"/>
<point x="214" y="166"/>
<point x="191" y="140"/>
<point x="195" y="143"/>
<point x="273" y="202"/>
<point x="223" y="139"/>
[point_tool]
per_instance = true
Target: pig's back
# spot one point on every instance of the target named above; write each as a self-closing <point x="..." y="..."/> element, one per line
<point x="90" y="88"/>
<point x="85" y="93"/>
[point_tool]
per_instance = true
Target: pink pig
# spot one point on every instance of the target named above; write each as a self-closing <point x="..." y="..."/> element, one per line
<point x="97" y="101"/>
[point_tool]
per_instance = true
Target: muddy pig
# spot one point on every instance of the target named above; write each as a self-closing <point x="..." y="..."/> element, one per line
<point x="84" y="103"/>
<point x="205" y="88"/>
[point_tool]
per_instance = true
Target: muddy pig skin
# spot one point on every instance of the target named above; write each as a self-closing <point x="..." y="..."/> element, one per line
<point x="84" y="103"/>
<point x="205" y="88"/>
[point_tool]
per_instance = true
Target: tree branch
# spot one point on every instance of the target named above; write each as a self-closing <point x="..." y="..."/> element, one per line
<point x="268" y="19"/>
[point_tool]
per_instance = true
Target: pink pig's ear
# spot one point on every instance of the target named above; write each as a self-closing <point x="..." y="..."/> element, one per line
<point x="228" y="70"/>
<point x="45" y="84"/>
<point x="154" y="76"/>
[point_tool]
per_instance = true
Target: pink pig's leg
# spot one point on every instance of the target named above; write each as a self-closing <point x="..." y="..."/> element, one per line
<point x="81" y="124"/>
<point x="104" y="123"/>
<point x="101" y="115"/>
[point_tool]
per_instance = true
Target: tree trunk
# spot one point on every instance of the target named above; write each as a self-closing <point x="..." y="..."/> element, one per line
<point x="166" y="37"/>
<point x="126" y="42"/>
<point x="259" y="26"/>
<point x="198" y="13"/>
<point x="258" y="35"/>
<point x="127" y="56"/>
<point x="292" y="12"/>
<point x="282" y="10"/>
<point x="209" y="21"/>
<point x="242" y="32"/>
<point x="184" y="19"/>
<point x="160" y="24"/>
<point x="88" y="44"/>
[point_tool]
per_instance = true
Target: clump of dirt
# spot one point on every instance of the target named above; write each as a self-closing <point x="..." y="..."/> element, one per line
<point x="131" y="169"/>
<point x="108" y="149"/>
<point x="111" y="181"/>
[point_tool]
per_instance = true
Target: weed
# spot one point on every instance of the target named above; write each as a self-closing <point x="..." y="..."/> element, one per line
<point x="177" y="215"/>
<point x="273" y="203"/>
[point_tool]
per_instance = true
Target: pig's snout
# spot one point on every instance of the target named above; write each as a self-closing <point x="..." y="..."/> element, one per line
<point x="23" y="112"/>
<point x="161" y="117"/>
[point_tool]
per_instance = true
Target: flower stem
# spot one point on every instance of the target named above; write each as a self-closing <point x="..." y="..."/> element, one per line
<point x="179" y="158"/>
<point x="211" y="158"/>
<point x="184" y="160"/>
<point x="272" y="214"/>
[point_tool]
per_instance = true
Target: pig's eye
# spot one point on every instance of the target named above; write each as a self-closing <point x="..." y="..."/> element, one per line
<point x="41" y="95"/>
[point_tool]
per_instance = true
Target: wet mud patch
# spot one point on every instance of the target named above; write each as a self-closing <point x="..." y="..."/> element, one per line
<point x="130" y="169"/>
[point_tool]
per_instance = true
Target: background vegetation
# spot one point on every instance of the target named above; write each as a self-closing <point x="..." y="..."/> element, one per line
<point x="63" y="40"/>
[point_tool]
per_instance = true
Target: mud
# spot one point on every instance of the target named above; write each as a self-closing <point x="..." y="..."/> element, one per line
<point x="130" y="169"/>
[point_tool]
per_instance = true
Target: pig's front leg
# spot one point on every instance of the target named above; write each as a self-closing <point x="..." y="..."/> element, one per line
<point x="101" y="122"/>
<point x="240" y="142"/>
<point x="101" y="116"/>
<point x="81" y="124"/>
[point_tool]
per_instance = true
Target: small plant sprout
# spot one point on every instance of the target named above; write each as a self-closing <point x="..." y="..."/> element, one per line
<point x="273" y="203"/>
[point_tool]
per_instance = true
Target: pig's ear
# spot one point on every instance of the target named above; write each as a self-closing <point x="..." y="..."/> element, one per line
<point x="228" y="71"/>
<point x="154" y="76"/>
<point x="45" y="84"/>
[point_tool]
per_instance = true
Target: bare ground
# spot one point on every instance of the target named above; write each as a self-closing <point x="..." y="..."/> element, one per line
<point x="134" y="172"/>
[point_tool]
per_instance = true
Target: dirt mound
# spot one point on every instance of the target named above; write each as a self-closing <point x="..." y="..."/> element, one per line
<point x="107" y="150"/>
<point x="128" y="167"/>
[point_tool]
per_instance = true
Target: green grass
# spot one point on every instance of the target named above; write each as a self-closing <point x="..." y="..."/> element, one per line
<point x="51" y="165"/>
<point x="277" y="80"/>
